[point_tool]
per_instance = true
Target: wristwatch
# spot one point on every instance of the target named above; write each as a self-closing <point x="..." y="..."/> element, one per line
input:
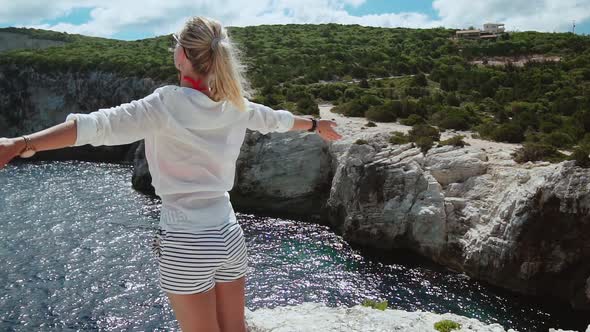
<point x="314" y="125"/>
<point x="28" y="151"/>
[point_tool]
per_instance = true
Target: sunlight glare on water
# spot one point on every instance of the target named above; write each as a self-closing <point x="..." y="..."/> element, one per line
<point x="75" y="245"/>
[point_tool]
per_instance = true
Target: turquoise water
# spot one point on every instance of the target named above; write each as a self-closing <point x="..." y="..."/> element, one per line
<point x="75" y="250"/>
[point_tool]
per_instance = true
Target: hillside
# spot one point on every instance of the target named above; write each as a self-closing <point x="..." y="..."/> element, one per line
<point x="441" y="84"/>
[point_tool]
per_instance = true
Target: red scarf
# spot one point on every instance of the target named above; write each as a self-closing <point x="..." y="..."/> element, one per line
<point x="196" y="84"/>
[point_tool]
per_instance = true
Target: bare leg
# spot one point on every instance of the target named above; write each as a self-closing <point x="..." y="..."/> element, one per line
<point x="230" y="305"/>
<point x="195" y="312"/>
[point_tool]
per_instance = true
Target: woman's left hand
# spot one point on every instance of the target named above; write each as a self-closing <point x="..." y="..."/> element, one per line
<point x="326" y="131"/>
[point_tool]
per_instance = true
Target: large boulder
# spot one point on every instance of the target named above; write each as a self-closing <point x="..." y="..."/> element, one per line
<point x="282" y="174"/>
<point x="286" y="174"/>
<point x="521" y="227"/>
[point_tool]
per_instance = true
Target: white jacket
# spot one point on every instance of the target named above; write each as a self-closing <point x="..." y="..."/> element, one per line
<point x="191" y="146"/>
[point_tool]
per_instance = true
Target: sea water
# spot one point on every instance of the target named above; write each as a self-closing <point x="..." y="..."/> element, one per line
<point x="75" y="255"/>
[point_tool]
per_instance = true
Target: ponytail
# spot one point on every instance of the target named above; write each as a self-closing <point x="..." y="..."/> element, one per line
<point x="213" y="55"/>
<point x="227" y="80"/>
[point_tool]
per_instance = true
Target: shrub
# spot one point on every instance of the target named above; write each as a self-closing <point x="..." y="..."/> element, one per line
<point x="581" y="156"/>
<point x="361" y="142"/>
<point x="424" y="143"/>
<point x="352" y="93"/>
<point x="446" y="326"/>
<point x="537" y="151"/>
<point x="371" y="100"/>
<point x="423" y="130"/>
<point x="331" y="91"/>
<point x="486" y="130"/>
<point x="374" y="304"/>
<point x="382" y="113"/>
<point x="405" y="107"/>
<point x="419" y="80"/>
<point x="509" y="132"/>
<point x="455" y="118"/>
<point x="558" y="139"/>
<point x="533" y="136"/>
<point x="412" y="120"/>
<point x="352" y="108"/>
<point x="416" y="92"/>
<point x="455" y="141"/>
<point x="452" y="100"/>
<point x="399" y="138"/>
<point x="306" y="105"/>
<point x="549" y="124"/>
<point x="364" y="84"/>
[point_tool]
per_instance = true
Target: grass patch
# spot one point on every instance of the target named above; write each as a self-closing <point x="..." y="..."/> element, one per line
<point x="374" y="304"/>
<point x="446" y="326"/>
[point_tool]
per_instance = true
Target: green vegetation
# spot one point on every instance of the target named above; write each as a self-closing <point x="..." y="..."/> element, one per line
<point x="538" y="152"/>
<point x="413" y="119"/>
<point x="446" y="326"/>
<point x="455" y="141"/>
<point x="581" y="156"/>
<point x="424" y="143"/>
<point x="148" y="57"/>
<point x="416" y="76"/>
<point x="422" y="135"/>
<point x="45" y="34"/>
<point x="422" y="130"/>
<point x="361" y="142"/>
<point x="399" y="138"/>
<point x="374" y="304"/>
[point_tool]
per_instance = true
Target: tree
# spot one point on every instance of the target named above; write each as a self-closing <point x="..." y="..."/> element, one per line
<point x="419" y="80"/>
<point x="364" y="84"/>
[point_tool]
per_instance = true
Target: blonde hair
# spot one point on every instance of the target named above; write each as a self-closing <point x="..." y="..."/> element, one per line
<point x="213" y="55"/>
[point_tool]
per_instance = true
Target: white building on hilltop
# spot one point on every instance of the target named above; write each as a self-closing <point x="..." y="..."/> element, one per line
<point x="490" y="31"/>
<point x="493" y="28"/>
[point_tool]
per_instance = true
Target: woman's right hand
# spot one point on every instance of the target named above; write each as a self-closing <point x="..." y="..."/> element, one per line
<point x="8" y="150"/>
<point x="326" y="131"/>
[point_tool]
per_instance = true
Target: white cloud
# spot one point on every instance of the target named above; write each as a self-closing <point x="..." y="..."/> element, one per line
<point x="157" y="17"/>
<point x="542" y="15"/>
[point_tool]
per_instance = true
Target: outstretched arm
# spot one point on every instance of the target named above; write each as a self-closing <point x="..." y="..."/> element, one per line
<point x="123" y="124"/>
<point x="264" y="119"/>
<point x="56" y="137"/>
<point x="324" y="127"/>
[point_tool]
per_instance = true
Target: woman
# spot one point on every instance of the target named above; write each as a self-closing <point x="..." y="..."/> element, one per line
<point x="193" y="133"/>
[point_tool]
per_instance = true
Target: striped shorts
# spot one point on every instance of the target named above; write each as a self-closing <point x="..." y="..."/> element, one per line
<point x="191" y="263"/>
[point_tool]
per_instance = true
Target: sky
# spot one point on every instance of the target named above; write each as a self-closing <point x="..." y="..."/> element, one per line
<point x="137" y="19"/>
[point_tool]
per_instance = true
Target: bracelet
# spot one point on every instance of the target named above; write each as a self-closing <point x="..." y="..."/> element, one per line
<point x="28" y="151"/>
<point x="314" y="125"/>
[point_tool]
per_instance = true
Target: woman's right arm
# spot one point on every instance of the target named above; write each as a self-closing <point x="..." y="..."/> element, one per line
<point x="264" y="120"/>
<point x="324" y="127"/>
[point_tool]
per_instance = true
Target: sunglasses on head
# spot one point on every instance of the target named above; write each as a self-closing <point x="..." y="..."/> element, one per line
<point x="176" y="43"/>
